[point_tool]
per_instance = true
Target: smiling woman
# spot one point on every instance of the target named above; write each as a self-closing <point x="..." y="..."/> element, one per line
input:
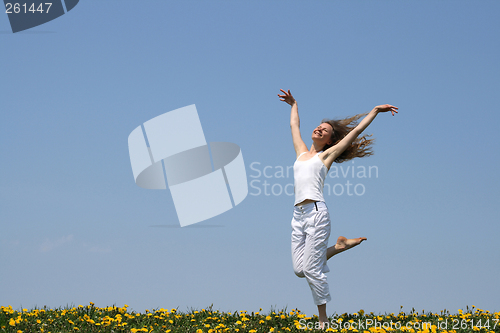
<point x="333" y="141"/>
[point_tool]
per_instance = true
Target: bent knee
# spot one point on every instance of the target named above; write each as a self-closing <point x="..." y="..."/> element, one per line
<point x="299" y="273"/>
<point x="313" y="274"/>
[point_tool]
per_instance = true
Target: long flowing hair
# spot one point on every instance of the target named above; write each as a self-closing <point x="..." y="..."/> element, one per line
<point x="361" y="147"/>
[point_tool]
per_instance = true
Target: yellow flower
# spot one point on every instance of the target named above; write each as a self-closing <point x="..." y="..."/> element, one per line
<point x="12" y="322"/>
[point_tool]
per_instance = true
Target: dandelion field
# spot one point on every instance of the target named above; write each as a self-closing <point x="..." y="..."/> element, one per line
<point x="118" y="319"/>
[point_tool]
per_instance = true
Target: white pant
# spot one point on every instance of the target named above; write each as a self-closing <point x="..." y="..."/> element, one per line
<point x="310" y="233"/>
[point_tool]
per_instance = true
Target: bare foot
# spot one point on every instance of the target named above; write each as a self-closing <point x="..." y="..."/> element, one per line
<point x="342" y="245"/>
<point x="324" y="323"/>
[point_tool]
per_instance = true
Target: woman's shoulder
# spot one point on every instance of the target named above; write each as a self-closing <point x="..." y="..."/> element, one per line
<point x="305" y="152"/>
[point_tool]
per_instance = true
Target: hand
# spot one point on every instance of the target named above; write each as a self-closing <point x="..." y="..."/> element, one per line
<point x="386" y="108"/>
<point x="287" y="97"/>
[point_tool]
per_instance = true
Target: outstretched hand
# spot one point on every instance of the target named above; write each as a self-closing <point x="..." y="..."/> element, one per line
<point x="287" y="97"/>
<point x="386" y="108"/>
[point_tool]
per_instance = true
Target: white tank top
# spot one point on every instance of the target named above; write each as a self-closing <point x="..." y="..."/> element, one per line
<point x="309" y="177"/>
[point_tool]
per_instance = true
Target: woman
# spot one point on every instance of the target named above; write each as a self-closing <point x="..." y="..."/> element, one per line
<point x="333" y="141"/>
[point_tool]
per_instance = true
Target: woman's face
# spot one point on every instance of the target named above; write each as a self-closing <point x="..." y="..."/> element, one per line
<point x="323" y="133"/>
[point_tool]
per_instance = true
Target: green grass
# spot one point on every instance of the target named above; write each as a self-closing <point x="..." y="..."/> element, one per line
<point x="118" y="319"/>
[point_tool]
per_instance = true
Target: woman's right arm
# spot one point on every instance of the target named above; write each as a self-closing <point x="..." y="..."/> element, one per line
<point x="298" y="143"/>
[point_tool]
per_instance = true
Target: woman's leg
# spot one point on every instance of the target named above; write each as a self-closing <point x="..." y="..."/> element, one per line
<point x="314" y="259"/>
<point x="315" y="256"/>
<point x="342" y="245"/>
<point x="310" y="233"/>
<point x="298" y="243"/>
<point x="323" y="318"/>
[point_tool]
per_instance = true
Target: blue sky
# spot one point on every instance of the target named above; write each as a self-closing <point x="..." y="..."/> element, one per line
<point x="77" y="229"/>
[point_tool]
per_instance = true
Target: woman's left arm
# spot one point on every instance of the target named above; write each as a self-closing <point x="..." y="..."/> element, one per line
<point x="331" y="154"/>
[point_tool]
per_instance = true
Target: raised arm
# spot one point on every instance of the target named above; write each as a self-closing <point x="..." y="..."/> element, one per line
<point x="331" y="154"/>
<point x="298" y="143"/>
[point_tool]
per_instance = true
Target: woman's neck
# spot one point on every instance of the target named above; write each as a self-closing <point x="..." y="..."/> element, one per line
<point x="315" y="149"/>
